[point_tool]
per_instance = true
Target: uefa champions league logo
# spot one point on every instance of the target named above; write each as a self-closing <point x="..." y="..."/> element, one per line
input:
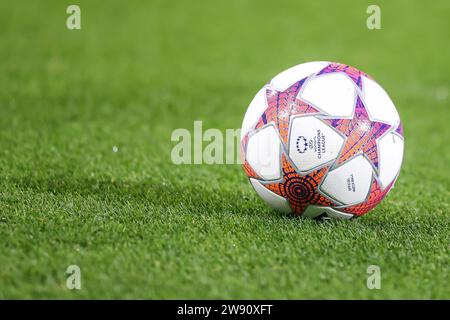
<point x="301" y="144"/>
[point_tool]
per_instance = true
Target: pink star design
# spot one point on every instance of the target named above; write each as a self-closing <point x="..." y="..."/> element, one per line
<point x="362" y="134"/>
<point x="281" y="106"/>
<point x="351" y="72"/>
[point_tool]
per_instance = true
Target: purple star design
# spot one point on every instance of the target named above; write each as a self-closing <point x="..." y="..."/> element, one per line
<point x="361" y="134"/>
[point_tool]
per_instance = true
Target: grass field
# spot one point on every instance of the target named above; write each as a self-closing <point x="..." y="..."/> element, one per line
<point x="141" y="227"/>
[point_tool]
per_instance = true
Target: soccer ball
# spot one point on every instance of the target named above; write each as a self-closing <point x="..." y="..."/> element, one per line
<point x="322" y="140"/>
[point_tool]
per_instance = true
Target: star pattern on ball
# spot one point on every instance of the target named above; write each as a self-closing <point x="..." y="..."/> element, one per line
<point x="353" y="73"/>
<point x="281" y="106"/>
<point x="362" y="134"/>
<point x="376" y="194"/>
<point x="300" y="190"/>
<point x="399" y="129"/>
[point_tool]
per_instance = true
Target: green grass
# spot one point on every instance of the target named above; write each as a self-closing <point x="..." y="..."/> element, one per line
<point x="141" y="227"/>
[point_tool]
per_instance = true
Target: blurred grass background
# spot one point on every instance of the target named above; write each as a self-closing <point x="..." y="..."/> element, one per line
<point x="139" y="226"/>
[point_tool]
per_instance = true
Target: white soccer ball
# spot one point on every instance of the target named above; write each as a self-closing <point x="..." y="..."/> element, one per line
<point x="322" y="139"/>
